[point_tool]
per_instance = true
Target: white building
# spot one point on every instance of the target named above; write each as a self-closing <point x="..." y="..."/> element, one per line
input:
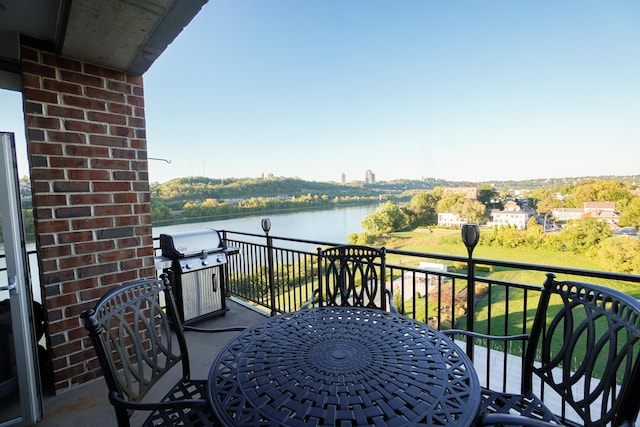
<point x="448" y="219"/>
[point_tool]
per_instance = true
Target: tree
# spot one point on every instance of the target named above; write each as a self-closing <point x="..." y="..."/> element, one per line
<point x="422" y="209"/>
<point x="448" y="201"/>
<point x="601" y="191"/>
<point x="630" y="217"/>
<point x="620" y="254"/>
<point x="471" y="210"/>
<point x="583" y="235"/>
<point x="386" y="219"/>
<point x="534" y="233"/>
<point x="485" y="194"/>
<point x="545" y="201"/>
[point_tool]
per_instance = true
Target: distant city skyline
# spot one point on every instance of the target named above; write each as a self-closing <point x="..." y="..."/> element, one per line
<point x="460" y="91"/>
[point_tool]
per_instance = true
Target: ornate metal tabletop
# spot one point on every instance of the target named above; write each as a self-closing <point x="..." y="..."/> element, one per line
<point x="343" y="366"/>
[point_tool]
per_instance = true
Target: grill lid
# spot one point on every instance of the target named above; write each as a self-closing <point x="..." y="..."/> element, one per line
<point x="190" y="243"/>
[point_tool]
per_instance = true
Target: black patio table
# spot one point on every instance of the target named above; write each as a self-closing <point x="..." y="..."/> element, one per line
<point x="343" y="366"/>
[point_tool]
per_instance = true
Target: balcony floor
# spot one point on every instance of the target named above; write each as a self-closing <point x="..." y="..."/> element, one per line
<point x="88" y="404"/>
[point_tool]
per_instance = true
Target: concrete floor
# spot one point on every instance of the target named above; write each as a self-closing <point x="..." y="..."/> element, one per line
<point x="88" y="405"/>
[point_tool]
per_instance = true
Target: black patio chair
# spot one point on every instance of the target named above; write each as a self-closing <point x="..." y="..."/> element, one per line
<point x="584" y="348"/>
<point x="352" y="275"/>
<point x="138" y="341"/>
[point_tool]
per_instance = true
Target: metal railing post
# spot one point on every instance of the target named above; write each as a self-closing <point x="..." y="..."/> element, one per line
<point x="266" y="226"/>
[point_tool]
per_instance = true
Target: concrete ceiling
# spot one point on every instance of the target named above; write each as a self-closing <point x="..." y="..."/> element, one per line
<point x="125" y="35"/>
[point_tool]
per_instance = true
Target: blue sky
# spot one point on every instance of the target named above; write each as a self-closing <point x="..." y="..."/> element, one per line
<point x="459" y="90"/>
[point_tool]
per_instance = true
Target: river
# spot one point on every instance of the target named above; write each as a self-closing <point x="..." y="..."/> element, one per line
<point x="329" y="225"/>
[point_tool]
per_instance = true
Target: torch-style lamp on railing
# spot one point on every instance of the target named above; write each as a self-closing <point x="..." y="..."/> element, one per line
<point x="470" y="237"/>
<point x="265" y="223"/>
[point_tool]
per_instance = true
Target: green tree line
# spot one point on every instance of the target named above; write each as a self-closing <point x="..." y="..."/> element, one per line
<point x="589" y="236"/>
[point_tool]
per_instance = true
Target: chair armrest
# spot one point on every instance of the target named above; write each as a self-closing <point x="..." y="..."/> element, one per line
<point x="511" y="420"/>
<point x="213" y="330"/>
<point x="485" y="336"/>
<point x="117" y="401"/>
<point x="392" y="305"/>
<point x="310" y="300"/>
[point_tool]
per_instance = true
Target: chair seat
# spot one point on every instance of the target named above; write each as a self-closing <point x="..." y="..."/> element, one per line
<point x="201" y="416"/>
<point x="527" y="405"/>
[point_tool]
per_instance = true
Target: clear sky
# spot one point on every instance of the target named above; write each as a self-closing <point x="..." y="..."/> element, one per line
<point x="461" y="90"/>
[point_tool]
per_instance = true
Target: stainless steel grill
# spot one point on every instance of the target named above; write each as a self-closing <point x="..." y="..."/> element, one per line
<point x="197" y="266"/>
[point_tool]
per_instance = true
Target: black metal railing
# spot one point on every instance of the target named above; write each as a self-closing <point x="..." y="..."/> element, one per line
<point x="278" y="274"/>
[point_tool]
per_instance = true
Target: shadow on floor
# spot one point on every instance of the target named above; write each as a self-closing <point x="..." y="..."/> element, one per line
<point x="88" y="404"/>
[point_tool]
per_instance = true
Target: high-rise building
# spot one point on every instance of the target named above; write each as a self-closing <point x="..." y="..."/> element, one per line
<point x="344" y="178"/>
<point x="369" y="177"/>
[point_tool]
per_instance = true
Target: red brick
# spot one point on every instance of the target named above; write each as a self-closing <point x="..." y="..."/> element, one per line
<point x="51" y="200"/>
<point x="121" y="131"/>
<point x="29" y="54"/>
<point x="90" y="151"/>
<point x="45" y="148"/>
<point x="94" y="247"/>
<point x="111" y="186"/>
<point x="68" y="162"/>
<point x="116" y="108"/>
<point x="104" y="72"/>
<point x="110" y="164"/>
<point x="42" y="213"/>
<point x="91" y="199"/>
<point x="38" y="95"/>
<point x="38" y="69"/>
<point x="90" y="224"/>
<point x="126" y="220"/>
<point x="41" y="174"/>
<point x="121" y="198"/>
<point x="138" y="101"/>
<point x="67" y="137"/>
<point x="109" y="141"/>
<point x="136" y="122"/>
<point x="138" y="112"/>
<point x="71" y="187"/>
<point x="75" y="237"/>
<point x="128" y="242"/>
<point x="142" y="209"/>
<point x="43" y="122"/>
<point x="31" y="81"/>
<point x="79" y="285"/>
<point x="120" y="87"/>
<point x="120" y="277"/>
<point x="67" y="112"/>
<point x="134" y="80"/>
<point x="112" y="210"/>
<point x="62" y="87"/>
<point x="131" y="264"/>
<point x="118" y="255"/>
<point x="105" y="95"/>
<point x="116" y="119"/>
<point x="77" y="261"/>
<point x="82" y="102"/>
<point x="61" y="62"/>
<point x="53" y="279"/>
<point x="81" y="126"/>
<point x="73" y="212"/>
<point x="55" y="251"/>
<point x="124" y="176"/>
<point x="40" y="187"/>
<point x="97" y="270"/>
<point x="82" y="79"/>
<point x="87" y="175"/>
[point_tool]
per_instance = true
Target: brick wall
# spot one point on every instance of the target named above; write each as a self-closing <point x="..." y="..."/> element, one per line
<point x="88" y="161"/>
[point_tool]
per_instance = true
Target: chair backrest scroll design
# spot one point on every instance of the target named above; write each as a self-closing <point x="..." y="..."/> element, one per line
<point x="352" y="275"/>
<point x="132" y="335"/>
<point x="585" y="345"/>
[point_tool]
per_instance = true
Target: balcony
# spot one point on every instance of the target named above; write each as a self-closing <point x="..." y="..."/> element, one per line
<point x="273" y="275"/>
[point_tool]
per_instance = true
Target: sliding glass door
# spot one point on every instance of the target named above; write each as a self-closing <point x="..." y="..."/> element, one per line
<point x="20" y="396"/>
